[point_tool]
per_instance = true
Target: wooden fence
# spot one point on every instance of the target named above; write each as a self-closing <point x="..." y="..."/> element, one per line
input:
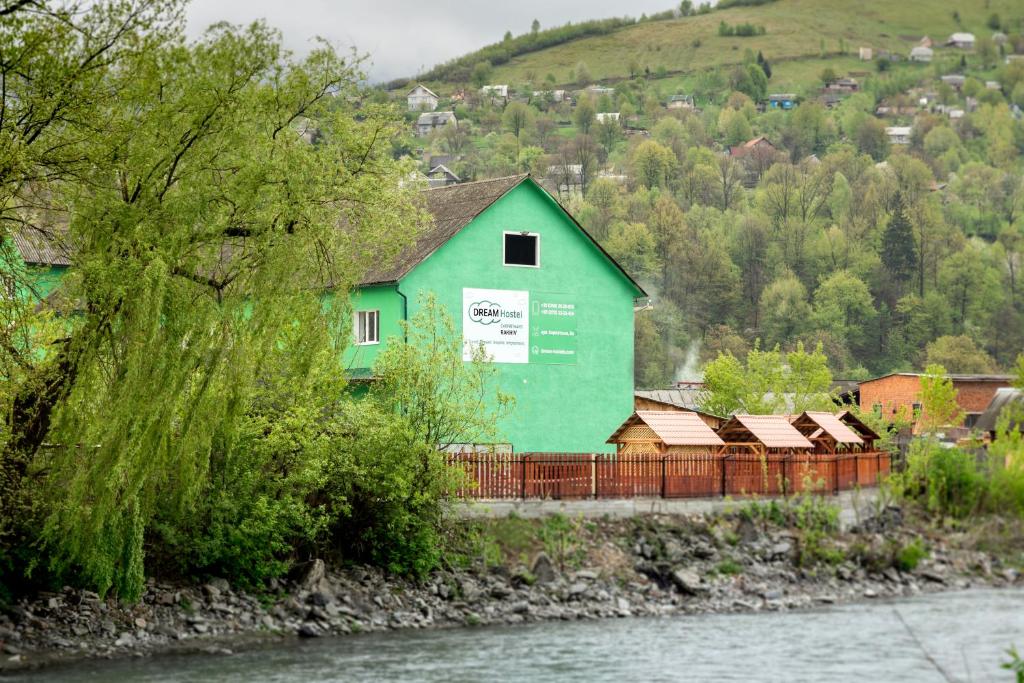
<point x="561" y="476"/>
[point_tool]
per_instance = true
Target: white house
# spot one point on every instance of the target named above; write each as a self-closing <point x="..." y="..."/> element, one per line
<point x="964" y="41"/>
<point x="431" y="121"/>
<point x="866" y="54"/>
<point x="421" y="98"/>
<point x="681" y="102"/>
<point x="921" y="54"/>
<point x="956" y="81"/>
<point x="604" y="116"/>
<point x="495" y="92"/>
<point x="899" y="135"/>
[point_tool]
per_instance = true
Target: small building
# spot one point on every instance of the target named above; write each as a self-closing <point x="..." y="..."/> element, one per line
<point x="665" y="432"/>
<point x="605" y="116"/>
<point x="784" y="101"/>
<point x="993" y="85"/>
<point x="964" y="41"/>
<point x="753" y="147"/>
<point x="955" y="81"/>
<point x="681" y="102"/>
<point x="827" y="432"/>
<point x="442" y="176"/>
<point x="922" y="54"/>
<point x="496" y="93"/>
<point x="955" y="114"/>
<point x="428" y="122"/>
<point x="763" y="435"/>
<point x="555" y="96"/>
<point x="926" y="42"/>
<point x="842" y="86"/>
<point x="421" y="98"/>
<point x="899" y="135"/>
<point x="679" y="399"/>
<point x="598" y="90"/>
<point x="1005" y="398"/>
<point x="866" y="54"/>
<point x="897" y="396"/>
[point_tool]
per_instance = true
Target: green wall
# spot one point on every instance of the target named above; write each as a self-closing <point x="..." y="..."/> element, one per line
<point x="384" y="298"/>
<point x="572" y="407"/>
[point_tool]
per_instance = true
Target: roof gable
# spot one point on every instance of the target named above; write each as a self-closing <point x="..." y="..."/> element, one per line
<point x="453" y="208"/>
<point x="673" y="427"/>
<point x="811" y="422"/>
<point x="774" y="431"/>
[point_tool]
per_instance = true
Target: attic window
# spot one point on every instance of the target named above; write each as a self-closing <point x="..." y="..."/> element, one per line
<point x="522" y="249"/>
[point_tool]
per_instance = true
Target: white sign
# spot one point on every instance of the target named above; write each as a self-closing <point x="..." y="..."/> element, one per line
<point x="498" y="320"/>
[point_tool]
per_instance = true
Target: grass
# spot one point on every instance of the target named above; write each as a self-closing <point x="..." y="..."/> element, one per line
<point x="687" y="46"/>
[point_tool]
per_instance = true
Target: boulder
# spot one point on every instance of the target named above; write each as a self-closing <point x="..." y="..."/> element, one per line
<point x="313" y="576"/>
<point x="688" y="581"/>
<point x="543" y="569"/>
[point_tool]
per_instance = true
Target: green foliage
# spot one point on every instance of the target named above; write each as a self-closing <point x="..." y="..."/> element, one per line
<point x="910" y="555"/>
<point x="728" y="567"/>
<point x="939" y="407"/>
<point x="759" y="386"/>
<point x="1015" y="665"/>
<point x="959" y="354"/>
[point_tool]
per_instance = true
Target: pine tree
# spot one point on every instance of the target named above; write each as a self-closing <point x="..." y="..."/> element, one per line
<point x="899" y="252"/>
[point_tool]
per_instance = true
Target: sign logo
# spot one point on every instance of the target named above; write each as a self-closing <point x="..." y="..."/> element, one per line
<point x="485" y="312"/>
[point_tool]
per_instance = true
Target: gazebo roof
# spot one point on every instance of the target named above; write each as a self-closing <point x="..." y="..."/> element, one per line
<point x="828" y="423"/>
<point x="774" y="431"/>
<point x="857" y="425"/>
<point x="673" y="427"/>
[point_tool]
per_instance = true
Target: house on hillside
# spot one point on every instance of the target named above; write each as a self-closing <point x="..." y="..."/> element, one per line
<point x="496" y="93"/>
<point x="442" y="176"/>
<point x="899" y="135"/>
<point x="681" y="102"/>
<point x="757" y="156"/>
<point x="842" y="86"/>
<point x="428" y="122"/>
<point x="683" y="399"/>
<point x="866" y="54"/>
<point x="955" y="81"/>
<point x="898" y="395"/>
<point x="964" y="41"/>
<point x="421" y="98"/>
<point x="605" y="116"/>
<point x="922" y="54"/>
<point x="525" y="283"/>
<point x="598" y="90"/>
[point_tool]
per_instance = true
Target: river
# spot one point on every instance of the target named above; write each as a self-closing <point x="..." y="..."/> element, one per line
<point x="965" y="634"/>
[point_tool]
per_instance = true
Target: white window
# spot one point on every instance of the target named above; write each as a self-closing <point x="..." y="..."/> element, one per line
<point x="367" y="327"/>
<point x="521" y="249"/>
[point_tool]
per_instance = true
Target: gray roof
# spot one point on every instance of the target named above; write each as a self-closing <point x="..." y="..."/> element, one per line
<point x="687" y="397"/>
<point x="956" y="377"/>
<point x="1005" y="397"/>
<point x="42" y="247"/>
<point x="435" y="118"/>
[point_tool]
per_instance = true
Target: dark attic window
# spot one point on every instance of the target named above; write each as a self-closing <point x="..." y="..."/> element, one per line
<point x="522" y="249"/>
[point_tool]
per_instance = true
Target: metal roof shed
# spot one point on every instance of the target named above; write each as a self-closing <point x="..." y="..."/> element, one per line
<point x="664" y="431"/>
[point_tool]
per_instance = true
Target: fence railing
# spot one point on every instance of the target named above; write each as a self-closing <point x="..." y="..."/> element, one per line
<point x="563" y="476"/>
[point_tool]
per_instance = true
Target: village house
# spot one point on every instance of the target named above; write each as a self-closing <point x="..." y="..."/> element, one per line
<point x="993" y="85"/>
<point x="442" y="176"/>
<point x="866" y="54"/>
<point x="555" y="96"/>
<point x="428" y="122"/>
<point x="955" y="81"/>
<point x="922" y="54"/>
<point x="964" y="41"/>
<point x="681" y="102"/>
<point x="843" y="86"/>
<point x="605" y="116"/>
<point x="496" y="93"/>
<point x="523" y="281"/>
<point x="421" y="98"/>
<point x="897" y="396"/>
<point x="899" y="135"/>
<point x="598" y="90"/>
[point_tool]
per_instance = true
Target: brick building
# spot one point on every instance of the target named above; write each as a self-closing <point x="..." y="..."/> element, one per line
<point x="899" y="394"/>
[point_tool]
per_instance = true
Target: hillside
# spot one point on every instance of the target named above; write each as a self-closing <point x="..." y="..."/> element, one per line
<point x="677" y="49"/>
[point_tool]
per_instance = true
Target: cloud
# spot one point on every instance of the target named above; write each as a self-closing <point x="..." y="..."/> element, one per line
<point x="403" y="37"/>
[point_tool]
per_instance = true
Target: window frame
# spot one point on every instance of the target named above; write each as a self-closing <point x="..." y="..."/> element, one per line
<point x="365" y="315"/>
<point x="518" y="233"/>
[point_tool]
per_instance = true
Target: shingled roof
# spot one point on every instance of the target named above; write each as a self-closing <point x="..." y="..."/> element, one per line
<point x="41" y="249"/>
<point x="811" y="421"/>
<point x="774" y="431"/>
<point x="673" y="427"/>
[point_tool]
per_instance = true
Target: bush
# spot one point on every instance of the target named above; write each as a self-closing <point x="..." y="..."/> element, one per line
<point x="910" y="555"/>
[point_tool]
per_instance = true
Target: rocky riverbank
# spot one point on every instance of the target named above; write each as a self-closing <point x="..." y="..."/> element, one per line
<point x="580" y="570"/>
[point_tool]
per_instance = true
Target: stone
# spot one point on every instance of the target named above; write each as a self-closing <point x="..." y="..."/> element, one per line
<point x="870" y="593"/>
<point x="933" y="576"/>
<point x="781" y="550"/>
<point x="313" y="575"/>
<point x="543" y="569"/>
<point x="210" y="591"/>
<point x="220" y="584"/>
<point x="309" y="630"/>
<point x="320" y="599"/>
<point x="586" y="575"/>
<point x="688" y="581"/>
<point x="747" y="530"/>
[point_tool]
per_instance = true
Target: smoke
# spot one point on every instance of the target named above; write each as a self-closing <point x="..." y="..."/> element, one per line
<point x="689" y="370"/>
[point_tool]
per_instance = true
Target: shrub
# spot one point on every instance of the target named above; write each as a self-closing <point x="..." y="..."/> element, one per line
<point x="910" y="555"/>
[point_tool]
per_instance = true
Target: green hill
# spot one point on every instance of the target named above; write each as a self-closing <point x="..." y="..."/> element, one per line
<point x="801" y="37"/>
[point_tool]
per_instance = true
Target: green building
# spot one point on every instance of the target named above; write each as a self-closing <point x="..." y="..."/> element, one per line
<point x="519" y="275"/>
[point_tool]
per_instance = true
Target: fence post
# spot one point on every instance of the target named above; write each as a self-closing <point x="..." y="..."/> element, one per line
<point x="664" y="467"/>
<point x="835" y="474"/>
<point x="522" y="476"/>
<point x="725" y="460"/>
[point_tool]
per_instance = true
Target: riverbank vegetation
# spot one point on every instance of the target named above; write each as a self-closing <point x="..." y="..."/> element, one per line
<point x="177" y="406"/>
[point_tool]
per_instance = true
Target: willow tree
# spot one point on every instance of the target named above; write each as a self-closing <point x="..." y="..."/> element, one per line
<point x="222" y="200"/>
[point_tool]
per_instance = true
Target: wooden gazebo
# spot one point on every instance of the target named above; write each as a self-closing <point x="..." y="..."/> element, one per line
<point x="760" y="454"/>
<point x="867" y="434"/>
<point x="665" y="432"/>
<point x="827" y="432"/>
<point x="762" y="435"/>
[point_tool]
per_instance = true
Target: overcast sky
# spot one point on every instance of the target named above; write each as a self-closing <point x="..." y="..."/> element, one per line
<point x="404" y="36"/>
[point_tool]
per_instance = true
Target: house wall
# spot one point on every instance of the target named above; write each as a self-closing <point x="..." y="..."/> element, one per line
<point x="898" y="393"/>
<point x="559" y="407"/>
<point x="388" y="301"/>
